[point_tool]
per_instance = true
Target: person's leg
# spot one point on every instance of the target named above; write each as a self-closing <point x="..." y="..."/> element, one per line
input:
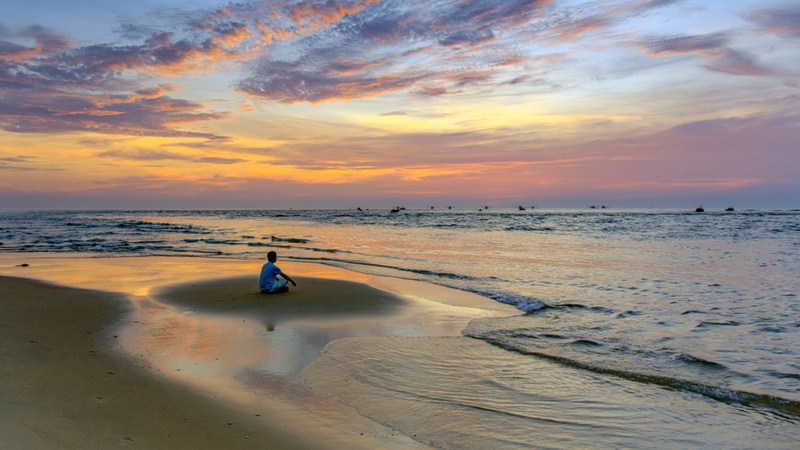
<point x="278" y="285"/>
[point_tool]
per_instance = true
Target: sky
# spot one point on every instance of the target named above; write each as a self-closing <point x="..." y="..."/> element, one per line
<point x="376" y="103"/>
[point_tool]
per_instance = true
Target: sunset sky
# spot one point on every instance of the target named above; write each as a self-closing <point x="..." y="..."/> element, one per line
<point x="375" y="103"/>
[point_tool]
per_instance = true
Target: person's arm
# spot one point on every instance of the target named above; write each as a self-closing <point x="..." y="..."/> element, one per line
<point x="288" y="278"/>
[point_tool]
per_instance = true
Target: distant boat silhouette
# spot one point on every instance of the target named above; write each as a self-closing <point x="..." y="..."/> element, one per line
<point x="521" y="208"/>
<point x="699" y="209"/>
<point x="729" y="208"/>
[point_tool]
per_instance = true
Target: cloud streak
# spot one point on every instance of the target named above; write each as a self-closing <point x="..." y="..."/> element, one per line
<point x="433" y="47"/>
<point x="708" y="45"/>
<point x="146" y="112"/>
<point x="783" y="21"/>
<point x="714" y="47"/>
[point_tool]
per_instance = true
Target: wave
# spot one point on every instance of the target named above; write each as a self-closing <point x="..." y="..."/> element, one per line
<point x="426" y="272"/>
<point x="701" y="362"/>
<point x="779" y="404"/>
<point x="578" y="306"/>
<point x="531" y="229"/>
<point x="521" y="302"/>
<point x="730" y="323"/>
<point x="142" y="225"/>
<point x="290" y="240"/>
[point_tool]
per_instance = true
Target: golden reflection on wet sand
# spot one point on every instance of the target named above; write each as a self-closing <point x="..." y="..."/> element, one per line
<point x="245" y="349"/>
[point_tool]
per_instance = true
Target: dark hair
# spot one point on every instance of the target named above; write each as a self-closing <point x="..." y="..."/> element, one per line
<point x="272" y="256"/>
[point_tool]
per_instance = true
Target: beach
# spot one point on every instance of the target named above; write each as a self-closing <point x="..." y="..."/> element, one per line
<point x="177" y="352"/>
<point x="421" y="329"/>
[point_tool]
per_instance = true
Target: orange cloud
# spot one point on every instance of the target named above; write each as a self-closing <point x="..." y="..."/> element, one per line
<point x="311" y="15"/>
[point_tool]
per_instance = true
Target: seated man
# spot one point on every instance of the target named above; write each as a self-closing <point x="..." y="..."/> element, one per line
<point x="268" y="283"/>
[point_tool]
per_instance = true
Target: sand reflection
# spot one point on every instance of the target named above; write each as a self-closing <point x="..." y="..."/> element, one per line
<point x="222" y="336"/>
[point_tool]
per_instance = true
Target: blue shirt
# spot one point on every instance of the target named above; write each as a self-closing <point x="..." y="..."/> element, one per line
<point x="268" y="273"/>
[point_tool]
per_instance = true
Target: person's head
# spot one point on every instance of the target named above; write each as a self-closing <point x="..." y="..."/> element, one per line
<point x="272" y="256"/>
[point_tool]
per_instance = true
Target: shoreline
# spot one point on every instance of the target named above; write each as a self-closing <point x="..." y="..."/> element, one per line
<point x="207" y="354"/>
<point x="65" y="385"/>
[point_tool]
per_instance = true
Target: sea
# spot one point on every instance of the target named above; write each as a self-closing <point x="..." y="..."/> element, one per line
<point x="636" y="328"/>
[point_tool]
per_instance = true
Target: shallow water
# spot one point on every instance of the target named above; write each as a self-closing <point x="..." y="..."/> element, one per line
<point x="699" y="311"/>
<point x="458" y="393"/>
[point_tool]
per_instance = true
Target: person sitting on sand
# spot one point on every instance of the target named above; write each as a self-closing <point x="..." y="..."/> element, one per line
<point x="269" y="283"/>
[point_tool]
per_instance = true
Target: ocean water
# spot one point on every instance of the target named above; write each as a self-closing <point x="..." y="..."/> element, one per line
<point x="636" y="328"/>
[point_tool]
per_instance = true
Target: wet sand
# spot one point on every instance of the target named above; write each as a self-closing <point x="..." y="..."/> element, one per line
<point x="152" y="353"/>
<point x="63" y="385"/>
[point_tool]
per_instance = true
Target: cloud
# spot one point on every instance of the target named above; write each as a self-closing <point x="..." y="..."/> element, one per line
<point x="780" y="21"/>
<point x="23" y="163"/>
<point x="568" y="27"/>
<point x="310" y="50"/>
<point x="290" y="82"/>
<point x="430" y="91"/>
<point x="216" y="160"/>
<point x="143" y="113"/>
<point x="708" y="45"/>
<point x="49" y="86"/>
<point x="45" y="42"/>
<point x="51" y="61"/>
<point x="653" y="4"/>
<point x="714" y="47"/>
<point x="431" y="47"/>
<point x="163" y="155"/>
<point x="739" y="63"/>
<point x="766" y="127"/>
<point x="17" y="159"/>
<point x="40" y="81"/>
<point x="311" y="14"/>
<point x="142" y="155"/>
<point x="313" y="51"/>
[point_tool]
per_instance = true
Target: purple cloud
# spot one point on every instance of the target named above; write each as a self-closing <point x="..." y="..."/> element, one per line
<point x="739" y="63"/>
<point x="144" y="113"/>
<point x="703" y="44"/>
<point x="44" y="42"/>
<point x="711" y="46"/>
<point x="21" y="163"/>
<point x="163" y="155"/>
<point x="781" y="21"/>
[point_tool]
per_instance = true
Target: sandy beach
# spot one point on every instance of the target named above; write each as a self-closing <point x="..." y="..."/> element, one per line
<point x="184" y="353"/>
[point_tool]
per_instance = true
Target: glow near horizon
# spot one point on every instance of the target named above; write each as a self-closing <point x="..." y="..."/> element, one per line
<point x="367" y="102"/>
